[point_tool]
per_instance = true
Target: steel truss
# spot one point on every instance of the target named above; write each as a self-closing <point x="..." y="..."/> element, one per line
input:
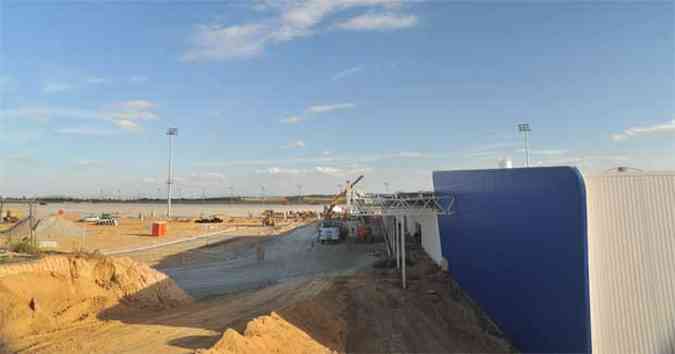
<point x="420" y="203"/>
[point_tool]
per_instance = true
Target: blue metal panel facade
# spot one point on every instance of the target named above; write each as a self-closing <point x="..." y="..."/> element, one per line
<point x="518" y="245"/>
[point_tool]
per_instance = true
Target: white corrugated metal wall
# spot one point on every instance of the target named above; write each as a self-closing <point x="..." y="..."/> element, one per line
<point x="631" y="236"/>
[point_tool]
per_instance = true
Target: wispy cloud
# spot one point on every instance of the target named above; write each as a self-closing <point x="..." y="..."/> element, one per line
<point x="663" y="128"/>
<point x="88" y="163"/>
<point x="316" y="109"/>
<point x="345" y="73"/>
<point x="295" y="145"/>
<point x="292" y="120"/>
<point x="56" y="87"/>
<point x="85" y="131"/>
<point x="380" y="22"/>
<point x="292" y="20"/>
<point x="138" y="79"/>
<point x="549" y="152"/>
<point x="127" y="125"/>
<point x="282" y="171"/>
<point x="94" y="80"/>
<point x="124" y="115"/>
<point x="330" y="107"/>
<point x="21" y="158"/>
<point x="326" y="158"/>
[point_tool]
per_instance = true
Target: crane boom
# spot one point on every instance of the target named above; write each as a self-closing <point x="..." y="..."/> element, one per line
<point x="333" y="203"/>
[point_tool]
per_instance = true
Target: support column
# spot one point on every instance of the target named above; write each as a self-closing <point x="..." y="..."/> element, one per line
<point x="397" y="232"/>
<point x="403" y="265"/>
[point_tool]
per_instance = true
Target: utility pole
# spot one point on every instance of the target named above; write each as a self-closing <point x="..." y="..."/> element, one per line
<point x="524" y="128"/>
<point x="386" y="187"/>
<point x="299" y="192"/>
<point x="171" y="133"/>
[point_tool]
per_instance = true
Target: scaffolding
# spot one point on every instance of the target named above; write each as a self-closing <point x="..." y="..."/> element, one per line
<point x="401" y="204"/>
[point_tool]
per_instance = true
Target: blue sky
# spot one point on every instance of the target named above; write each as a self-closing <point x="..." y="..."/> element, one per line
<point x="281" y="94"/>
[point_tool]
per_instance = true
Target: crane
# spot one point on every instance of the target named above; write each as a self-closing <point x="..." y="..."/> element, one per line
<point x="328" y="212"/>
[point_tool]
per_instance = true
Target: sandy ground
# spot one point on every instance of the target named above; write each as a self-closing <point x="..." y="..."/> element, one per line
<point x="181" y="210"/>
<point x="366" y="312"/>
<point x="132" y="232"/>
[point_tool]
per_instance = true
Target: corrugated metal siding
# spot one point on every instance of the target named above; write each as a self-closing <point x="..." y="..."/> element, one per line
<point x="517" y="245"/>
<point x="631" y="225"/>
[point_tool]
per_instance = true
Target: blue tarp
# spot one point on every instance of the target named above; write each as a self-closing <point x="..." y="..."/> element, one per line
<point x="517" y="245"/>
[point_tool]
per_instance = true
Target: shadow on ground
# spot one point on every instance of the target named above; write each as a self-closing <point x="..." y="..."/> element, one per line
<point x="365" y="312"/>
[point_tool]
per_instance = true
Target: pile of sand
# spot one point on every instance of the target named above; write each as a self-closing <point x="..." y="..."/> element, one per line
<point x="46" y="294"/>
<point x="268" y="334"/>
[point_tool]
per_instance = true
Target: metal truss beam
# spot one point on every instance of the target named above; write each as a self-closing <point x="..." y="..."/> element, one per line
<point x="421" y="203"/>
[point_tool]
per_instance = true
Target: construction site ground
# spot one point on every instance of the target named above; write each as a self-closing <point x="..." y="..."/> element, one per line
<point x="322" y="296"/>
<point x="364" y="312"/>
<point x="65" y="233"/>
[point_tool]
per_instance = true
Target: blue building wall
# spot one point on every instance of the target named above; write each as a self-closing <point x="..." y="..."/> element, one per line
<point x="517" y="245"/>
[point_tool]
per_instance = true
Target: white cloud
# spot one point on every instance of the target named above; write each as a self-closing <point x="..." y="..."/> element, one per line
<point x="138" y="79"/>
<point x="328" y="170"/>
<point x="292" y="120"/>
<point x="40" y="113"/>
<point x="216" y="43"/>
<point x="293" y="20"/>
<point x="295" y="145"/>
<point x="379" y="22"/>
<point x="330" y="107"/>
<point x="56" y="87"/>
<point x="84" y="131"/>
<point x="96" y="80"/>
<point x="667" y="127"/>
<point x="281" y="171"/>
<point x="88" y="163"/>
<point x="127" y="125"/>
<point x="348" y="72"/>
<point x="137" y="105"/>
<point x="21" y="158"/>
<point x="550" y="152"/>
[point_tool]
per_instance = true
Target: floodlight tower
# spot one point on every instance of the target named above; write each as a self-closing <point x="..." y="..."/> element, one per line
<point x="171" y="132"/>
<point x="524" y="128"/>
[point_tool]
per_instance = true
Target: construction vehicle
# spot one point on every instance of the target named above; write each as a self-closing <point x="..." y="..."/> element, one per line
<point x="107" y="219"/>
<point x="268" y="218"/>
<point x="210" y="220"/>
<point x="329" y="210"/>
<point x="330" y="231"/>
<point x="331" y="228"/>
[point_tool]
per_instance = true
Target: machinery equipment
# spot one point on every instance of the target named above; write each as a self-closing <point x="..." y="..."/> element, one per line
<point x="328" y="211"/>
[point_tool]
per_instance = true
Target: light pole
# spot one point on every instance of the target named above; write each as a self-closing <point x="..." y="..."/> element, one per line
<point x="524" y="128"/>
<point x="386" y="187"/>
<point x="299" y="191"/>
<point x="171" y="132"/>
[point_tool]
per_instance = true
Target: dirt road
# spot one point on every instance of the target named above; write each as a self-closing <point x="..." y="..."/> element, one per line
<point x="296" y="254"/>
<point x="328" y="292"/>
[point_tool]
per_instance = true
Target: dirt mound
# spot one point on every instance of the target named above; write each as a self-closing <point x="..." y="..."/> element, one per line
<point x="268" y="334"/>
<point x="58" y="290"/>
<point x="369" y="312"/>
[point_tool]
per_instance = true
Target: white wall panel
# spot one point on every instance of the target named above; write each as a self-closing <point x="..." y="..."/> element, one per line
<point x="631" y="236"/>
<point x="431" y="241"/>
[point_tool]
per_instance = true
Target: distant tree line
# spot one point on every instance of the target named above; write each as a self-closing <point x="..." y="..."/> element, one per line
<point x="290" y="200"/>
